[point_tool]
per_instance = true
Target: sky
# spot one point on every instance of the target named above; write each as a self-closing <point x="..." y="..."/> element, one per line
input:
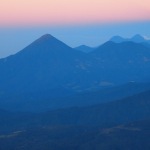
<point x="75" y="22"/>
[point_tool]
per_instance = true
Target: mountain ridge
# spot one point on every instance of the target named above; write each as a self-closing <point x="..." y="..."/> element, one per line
<point x="136" y="38"/>
<point x="43" y="67"/>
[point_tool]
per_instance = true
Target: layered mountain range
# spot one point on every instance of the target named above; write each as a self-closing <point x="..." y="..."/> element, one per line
<point x="49" y="69"/>
<point x="136" y="38"/>
<point x="55" y="97"/>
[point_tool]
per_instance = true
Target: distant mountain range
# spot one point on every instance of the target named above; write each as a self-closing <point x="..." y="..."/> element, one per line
<point x="118" y="39"/>
<point x="136" y="38"/>
<point x="49" y="69"/>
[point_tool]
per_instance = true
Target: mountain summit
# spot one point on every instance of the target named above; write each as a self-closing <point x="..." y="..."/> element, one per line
<point x="48" y="38"/>
<point x="45" y="44"/>
<point x="117" y="39"/>
<point x="138" y="38"/>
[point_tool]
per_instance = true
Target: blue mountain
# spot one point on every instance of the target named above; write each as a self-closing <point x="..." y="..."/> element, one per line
<point x="122" y="62"/>
<point x="136" y="38"/>
<point x="48" y="63"/>
<point x="44" y="64"/>
<point x="117" y="39"/>
<point x="49" y="69"/>
<point x="85" y="48"/>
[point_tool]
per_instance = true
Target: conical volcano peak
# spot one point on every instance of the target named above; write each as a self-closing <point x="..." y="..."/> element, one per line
<point x="47" y="39"/>
<point x="46" y="36"/>
<point x="46" y="44"/>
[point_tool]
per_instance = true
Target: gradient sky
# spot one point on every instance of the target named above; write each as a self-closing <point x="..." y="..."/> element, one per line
<point x="75" y="22"/>
<point x="41" y="12"/>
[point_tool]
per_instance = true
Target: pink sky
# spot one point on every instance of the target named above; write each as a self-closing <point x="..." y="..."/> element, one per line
<point x="52" y="12"/>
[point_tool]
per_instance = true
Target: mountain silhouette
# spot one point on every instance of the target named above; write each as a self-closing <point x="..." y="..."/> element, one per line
<point x="48" y="63"/>
<point x="117" y="39"/>
<point x="45" y="63"/>
<point x="48" y="69"/>
<point x="136" y="38"/>
<point x="85" y="48"/>
<point x="122" y="62"/>
<point x="54" y="96"/>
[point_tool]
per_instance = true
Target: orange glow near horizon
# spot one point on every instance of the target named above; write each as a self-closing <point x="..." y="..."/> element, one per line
<point x="61" y="12"/>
